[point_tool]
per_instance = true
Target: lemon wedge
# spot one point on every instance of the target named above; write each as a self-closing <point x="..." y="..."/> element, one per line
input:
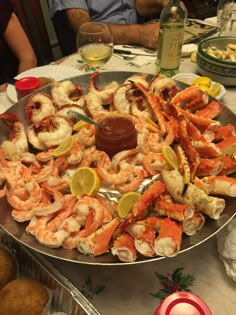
<point x="65" y="147"/>
<point x="204" y="88"/>
<point x="126" y="203"/>
<point x="85" y="181"/>
<point x="202" y="81"/>
<point x="215" y="89"/>
<point x="80" y="125"/>
<point x="194" y="56"/>
<point x="170" y="157"/>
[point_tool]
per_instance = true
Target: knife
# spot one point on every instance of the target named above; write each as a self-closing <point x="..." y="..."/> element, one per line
<point x="128" y="52"/>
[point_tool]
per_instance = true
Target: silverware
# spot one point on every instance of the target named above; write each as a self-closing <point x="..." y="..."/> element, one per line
<point x="72" y="113"/>
<point x="128" y="52"/>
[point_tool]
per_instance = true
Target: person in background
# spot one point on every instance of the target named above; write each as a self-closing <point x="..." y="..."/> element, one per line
<point x="121" y="15"/>
<point x="16" y="52"/>
<point x="201" y="9"/>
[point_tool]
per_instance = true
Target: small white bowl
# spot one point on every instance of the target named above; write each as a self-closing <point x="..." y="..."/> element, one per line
<point x="189" y="77"/>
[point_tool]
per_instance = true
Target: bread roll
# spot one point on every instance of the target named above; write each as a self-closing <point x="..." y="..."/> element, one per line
<point x="23" y="297"/>
<point x="7" y="267"/>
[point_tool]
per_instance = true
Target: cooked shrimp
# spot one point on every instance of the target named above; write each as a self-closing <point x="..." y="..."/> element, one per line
<point x="35" y="195"/>
<point x="137" y="78"/>
<point x="76" y="154"/>
<point x="39" y="106"/>
<point x="134" y="179"/>
<point x="66" y="92"/>
<point x="65" y="212"/>
<point x="18" y="137"/>
<point x="104" y="94"/>
<point x="86" y="136"/>
<point x="94" y="104"/>
<point x="88" y="206"/>
<point x="154" y="163"/>
<point x="120" y="101"/>
<point x="22" y="216"/>
<point x="49" y="132"/>
<point x="51" y="239"/>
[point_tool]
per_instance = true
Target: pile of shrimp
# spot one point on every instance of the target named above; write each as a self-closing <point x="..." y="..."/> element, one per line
<point x="36" y="185"/>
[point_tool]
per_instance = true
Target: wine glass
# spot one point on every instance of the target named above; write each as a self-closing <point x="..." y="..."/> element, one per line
<point x="95" y="43"/>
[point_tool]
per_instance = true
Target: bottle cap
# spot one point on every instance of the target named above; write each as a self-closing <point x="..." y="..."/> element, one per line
<point x="26" y="86"/>
<point x="183" y="303"/>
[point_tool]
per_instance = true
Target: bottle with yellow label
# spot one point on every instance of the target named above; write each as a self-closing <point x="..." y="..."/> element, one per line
<point x="171" y="37"/>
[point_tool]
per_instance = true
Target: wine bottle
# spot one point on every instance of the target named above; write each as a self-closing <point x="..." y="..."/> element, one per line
<point x="171" y="35"/>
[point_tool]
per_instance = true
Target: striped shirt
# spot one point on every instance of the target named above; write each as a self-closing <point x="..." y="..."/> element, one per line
<point x="108" y="11"/>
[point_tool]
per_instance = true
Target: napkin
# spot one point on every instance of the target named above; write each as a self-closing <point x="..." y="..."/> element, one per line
<point x="212" y="20"/>
<point x="137" y="61"/>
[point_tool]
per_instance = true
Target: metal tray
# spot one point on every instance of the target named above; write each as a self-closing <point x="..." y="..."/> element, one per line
<point x="65" y="297"/>
<point x="17" y="230"/>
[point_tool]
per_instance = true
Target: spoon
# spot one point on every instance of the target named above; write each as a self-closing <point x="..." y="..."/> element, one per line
<point x="72" y="113"/>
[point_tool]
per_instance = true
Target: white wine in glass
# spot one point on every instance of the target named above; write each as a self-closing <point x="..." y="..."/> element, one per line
<point x="95" y="43"/>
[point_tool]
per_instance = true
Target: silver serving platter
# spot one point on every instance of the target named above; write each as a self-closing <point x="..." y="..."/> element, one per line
<point x="17" y="230"/>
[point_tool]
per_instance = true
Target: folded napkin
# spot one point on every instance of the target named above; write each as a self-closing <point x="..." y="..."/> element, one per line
<point x="226" y="244"/>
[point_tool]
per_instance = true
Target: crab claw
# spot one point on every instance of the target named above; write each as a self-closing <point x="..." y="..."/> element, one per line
<point x="211" y="111"/>
<point x="193" y="224"/>
<point x="98" y="242"/>
<point x="228" y="145"/>
<point x="169" y="239"/>
<point x="153" y="192"/>
<point x="211" y="206"/>
<point x="217" y="185"/>
<point x="152" y="101"/>
<point x="124" y="249"/>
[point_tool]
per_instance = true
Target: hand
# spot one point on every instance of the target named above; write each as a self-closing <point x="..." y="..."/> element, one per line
<point x="149" y="35"/>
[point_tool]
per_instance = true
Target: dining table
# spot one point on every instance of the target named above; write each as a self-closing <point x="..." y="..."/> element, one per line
<point x="138" y="289"/>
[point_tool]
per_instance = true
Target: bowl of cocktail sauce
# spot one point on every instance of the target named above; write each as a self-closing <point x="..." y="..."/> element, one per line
<point x="116" y="133"/>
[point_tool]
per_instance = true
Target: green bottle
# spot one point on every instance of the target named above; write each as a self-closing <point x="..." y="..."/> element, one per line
<point x="171" y="36"/>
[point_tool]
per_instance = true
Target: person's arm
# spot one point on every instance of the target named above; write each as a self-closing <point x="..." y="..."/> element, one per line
<point x="146" y="35"/>
<point x="143" y="34"/>
<point x="18" y="42"/>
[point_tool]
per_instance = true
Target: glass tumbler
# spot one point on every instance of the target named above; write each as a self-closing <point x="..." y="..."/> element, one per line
<point x="227" y="22"/>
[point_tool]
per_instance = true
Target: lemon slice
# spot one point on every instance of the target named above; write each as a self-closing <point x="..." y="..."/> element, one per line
<point x="126" y="203"/>
<point x="194" y="56"/>
<point x="85" y="181"/>
<point x="202" y="81"/>
<point x="80" y="125"/>
<point x="215" y="89"/>
<point x="65" y="147"/>
<point x="170" y="157"/>
<point x="204" y="88"/>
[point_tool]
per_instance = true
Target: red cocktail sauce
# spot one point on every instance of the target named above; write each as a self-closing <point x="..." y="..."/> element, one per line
<point x="118" y="134"/>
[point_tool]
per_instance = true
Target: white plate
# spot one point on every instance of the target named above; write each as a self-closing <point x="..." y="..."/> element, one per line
<point x="189" y="77"/>
<point x="55" y="72"/>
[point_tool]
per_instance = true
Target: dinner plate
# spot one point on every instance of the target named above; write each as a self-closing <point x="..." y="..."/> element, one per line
<point x="17" y="230"/>
<point x="55" y="72"/>
<point x="189" y="77"/>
